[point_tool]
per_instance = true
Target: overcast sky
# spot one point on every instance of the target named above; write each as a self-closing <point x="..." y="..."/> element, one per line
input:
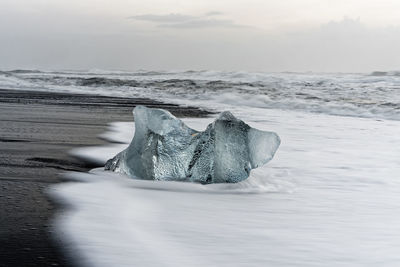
<point x="249" y="35"/>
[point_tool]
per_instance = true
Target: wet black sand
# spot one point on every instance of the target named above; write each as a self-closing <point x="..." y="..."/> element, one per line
<point x="37" y="130"/>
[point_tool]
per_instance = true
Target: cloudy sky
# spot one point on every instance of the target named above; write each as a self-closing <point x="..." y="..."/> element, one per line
<point x="249" y="35"/>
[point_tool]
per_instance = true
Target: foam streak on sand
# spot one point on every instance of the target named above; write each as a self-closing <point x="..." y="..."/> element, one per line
<point x="327" y="199"/>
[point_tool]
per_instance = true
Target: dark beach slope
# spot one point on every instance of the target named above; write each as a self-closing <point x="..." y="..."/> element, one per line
<point x="37" y="129"/>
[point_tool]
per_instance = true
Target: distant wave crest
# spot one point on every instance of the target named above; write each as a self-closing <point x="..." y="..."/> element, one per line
<point x="385" y="73"/>
<point x="374" y="95"/>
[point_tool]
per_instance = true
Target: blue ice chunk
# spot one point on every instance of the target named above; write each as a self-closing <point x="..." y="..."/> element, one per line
<point x="164" y="148"/>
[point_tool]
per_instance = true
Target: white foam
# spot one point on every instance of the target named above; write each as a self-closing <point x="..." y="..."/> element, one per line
<point x="328" y="198"/>
<point x="119" y="132"/>
<point x="357" y="95"/>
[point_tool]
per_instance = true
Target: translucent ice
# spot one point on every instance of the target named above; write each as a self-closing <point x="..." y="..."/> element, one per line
<point x="164" y="148"/>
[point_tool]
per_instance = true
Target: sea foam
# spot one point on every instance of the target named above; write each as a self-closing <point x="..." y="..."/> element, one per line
<point x="327" y="199"/>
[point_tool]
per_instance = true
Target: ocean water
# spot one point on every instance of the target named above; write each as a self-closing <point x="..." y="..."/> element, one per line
<point x="330" y="196"/>
<point x="374" y="95"/>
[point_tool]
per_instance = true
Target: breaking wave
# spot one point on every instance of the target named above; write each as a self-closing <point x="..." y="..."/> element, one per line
<point x="372" y="95"/>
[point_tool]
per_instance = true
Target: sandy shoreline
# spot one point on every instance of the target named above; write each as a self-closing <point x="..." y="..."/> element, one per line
<point x="37" y="129"/>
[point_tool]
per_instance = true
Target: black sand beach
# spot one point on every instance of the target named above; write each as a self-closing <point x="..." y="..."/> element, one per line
<point x="37" y="129"/>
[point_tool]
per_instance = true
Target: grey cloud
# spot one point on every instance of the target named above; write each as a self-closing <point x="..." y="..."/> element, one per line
<point x="180" y="21"/>
<point x="169" y="18"/>
<point x="213" y="13"/>
<point x="203" y="23"/>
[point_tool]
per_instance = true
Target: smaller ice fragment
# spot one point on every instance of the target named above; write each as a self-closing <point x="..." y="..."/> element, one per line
<point x="164" y="148"/>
